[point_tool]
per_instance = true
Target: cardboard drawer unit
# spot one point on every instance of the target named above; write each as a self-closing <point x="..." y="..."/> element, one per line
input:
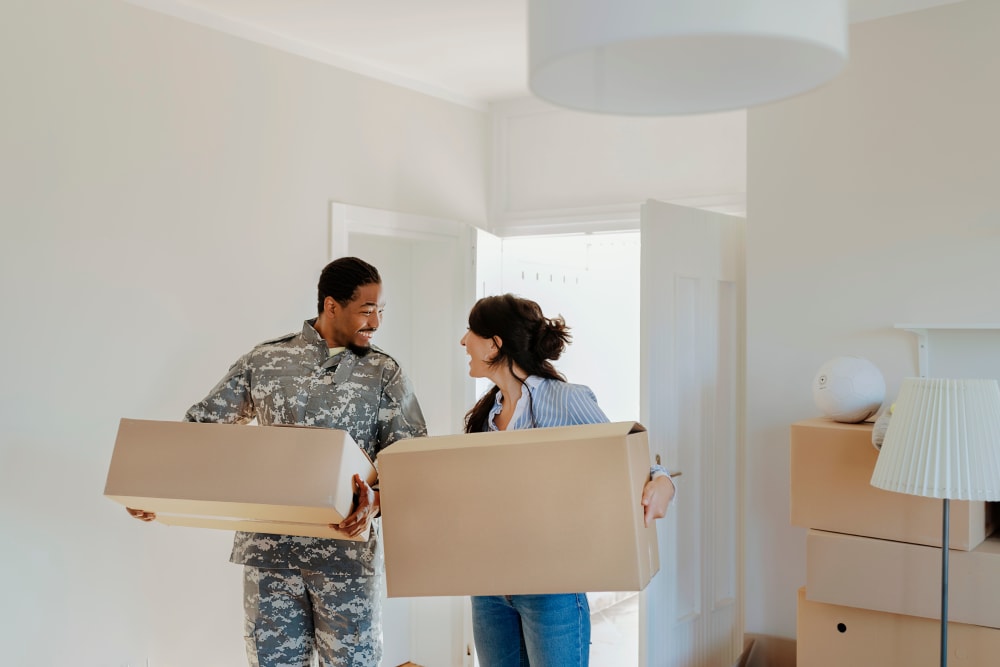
<point x="272" y="479"/>
<point x="547" y="510"/>
<point x="831" y="470"/>
<point x="833" y="636"/>
<point x="904" y="578"/>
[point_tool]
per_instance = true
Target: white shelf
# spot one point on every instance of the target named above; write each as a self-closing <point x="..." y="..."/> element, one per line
<point x="922" y="327"/>
<point x="921" y="332"/>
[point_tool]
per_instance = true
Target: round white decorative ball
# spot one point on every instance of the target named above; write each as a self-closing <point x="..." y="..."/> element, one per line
<point x="849" y="389"/>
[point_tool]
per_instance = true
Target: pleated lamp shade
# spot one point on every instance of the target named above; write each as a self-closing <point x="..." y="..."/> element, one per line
<point x="943" y="440"/>
<point x="665" y="57"/>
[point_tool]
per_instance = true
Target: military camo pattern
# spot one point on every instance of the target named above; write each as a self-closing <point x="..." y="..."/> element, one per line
<point x="294" y="380"/>
<point x="283" y="626"/>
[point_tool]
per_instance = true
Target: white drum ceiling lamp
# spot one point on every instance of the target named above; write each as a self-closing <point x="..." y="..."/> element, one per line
<point x="664" y="57"/>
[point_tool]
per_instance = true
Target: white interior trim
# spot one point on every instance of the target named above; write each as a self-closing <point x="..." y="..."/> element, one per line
<point x="241" y="29"/>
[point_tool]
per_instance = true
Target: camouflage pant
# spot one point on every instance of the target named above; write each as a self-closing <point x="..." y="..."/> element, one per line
<point x="290" y="612"/>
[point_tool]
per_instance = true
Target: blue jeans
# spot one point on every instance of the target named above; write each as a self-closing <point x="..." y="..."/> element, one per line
<point x="535" y="630"/>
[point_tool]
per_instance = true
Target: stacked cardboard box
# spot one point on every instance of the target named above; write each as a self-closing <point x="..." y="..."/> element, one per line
<point x="830" y="634"/>
<point x="873" y="560"/>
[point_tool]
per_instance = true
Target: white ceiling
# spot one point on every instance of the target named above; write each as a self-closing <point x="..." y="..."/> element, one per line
<point x="468" y="51"/>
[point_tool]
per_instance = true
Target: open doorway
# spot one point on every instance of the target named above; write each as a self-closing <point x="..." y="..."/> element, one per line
<point x="679" y="329"/>
<point x="682" y="353"/>
<point x="592" y="280"/>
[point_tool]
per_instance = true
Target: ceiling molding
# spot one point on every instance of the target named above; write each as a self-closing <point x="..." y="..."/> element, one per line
<point x="481" y="37"/>
<point x="250" y="32"/>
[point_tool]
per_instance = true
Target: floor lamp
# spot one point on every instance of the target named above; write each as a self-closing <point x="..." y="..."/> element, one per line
<point x="943" y="441"/>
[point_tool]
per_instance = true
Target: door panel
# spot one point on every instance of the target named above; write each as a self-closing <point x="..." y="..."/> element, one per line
<point x="692" y="376"/>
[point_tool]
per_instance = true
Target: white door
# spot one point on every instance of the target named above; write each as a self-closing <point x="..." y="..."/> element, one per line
<point x="692" y="342"/>
<point x="428" y="283"/>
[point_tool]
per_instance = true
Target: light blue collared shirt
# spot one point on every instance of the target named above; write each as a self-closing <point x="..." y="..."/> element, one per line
<point x="546" y="403"/>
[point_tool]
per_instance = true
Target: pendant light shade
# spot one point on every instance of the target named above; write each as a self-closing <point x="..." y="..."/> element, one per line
<point x="663" y="57"/>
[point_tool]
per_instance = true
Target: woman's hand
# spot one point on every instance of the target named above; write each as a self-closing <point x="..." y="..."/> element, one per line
<point x="656" y="497"/>
<point x="368" y="507"/>
<point x="141" y="515"/>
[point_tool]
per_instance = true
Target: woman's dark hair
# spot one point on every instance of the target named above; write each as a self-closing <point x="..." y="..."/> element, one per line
<point x="341" y="279"/>
<point x="528" y="339"/>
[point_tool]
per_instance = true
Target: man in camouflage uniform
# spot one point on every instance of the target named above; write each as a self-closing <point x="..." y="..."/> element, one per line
<point x="304" y="593"/>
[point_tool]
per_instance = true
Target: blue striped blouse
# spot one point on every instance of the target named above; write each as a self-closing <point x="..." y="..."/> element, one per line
<point x="555" y="403"/>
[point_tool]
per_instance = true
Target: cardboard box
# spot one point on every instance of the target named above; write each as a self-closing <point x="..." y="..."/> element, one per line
<point x="766" y="651"/>
<point x="833" y="636"/>
<point x="904" y="578"/>
<point x="831" y="471"/>
<point x="270" y="479"/>
<point x="548" y="510"/>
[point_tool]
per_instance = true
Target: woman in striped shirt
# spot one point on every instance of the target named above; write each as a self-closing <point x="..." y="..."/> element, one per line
<point x="512" y="343"/>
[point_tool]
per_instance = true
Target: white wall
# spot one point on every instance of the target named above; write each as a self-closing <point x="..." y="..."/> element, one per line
<point x="871" y="202"/>
<point x="550" y="163"/>
<point x="164" y="198"/>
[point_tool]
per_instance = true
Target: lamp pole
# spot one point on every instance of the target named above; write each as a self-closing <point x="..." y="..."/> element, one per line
<point x="944" y="582"/>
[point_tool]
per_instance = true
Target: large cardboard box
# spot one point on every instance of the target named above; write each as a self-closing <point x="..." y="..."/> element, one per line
<point x="904" y="578"/>
<point x="270" y="479"/>
<point x="833" y="636"/>
<point x="547" y="510"/>
<point x="831" y="471"/>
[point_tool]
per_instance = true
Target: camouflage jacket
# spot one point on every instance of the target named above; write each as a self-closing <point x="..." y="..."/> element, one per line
<point x="294" y="380"/>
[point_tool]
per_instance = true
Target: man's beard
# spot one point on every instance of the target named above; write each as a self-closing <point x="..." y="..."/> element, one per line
<point x="360" y="350"/>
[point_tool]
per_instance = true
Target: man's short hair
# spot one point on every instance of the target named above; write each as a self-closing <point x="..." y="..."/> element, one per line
<point x="341" y="279"/>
